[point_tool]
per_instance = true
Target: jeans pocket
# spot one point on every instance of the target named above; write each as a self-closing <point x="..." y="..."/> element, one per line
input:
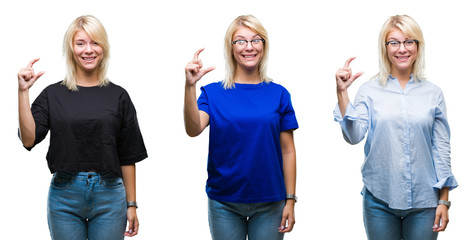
<point x="111" y="182"/>
<point x="61" y="181"/>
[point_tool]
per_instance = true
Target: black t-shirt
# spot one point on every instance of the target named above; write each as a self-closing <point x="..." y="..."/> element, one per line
<point x="93" y="129"/>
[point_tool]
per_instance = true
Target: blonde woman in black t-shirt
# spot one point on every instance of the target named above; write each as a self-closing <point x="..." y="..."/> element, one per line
<point x="95" y="140"/>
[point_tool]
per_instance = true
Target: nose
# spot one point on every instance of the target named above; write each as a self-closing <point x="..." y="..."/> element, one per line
<point x="249" y="46"/>
<point x="88" y="48"/>
<point x="402" y="48"/>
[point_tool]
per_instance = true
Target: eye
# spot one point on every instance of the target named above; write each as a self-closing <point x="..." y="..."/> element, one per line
<point x="409" y="42"/>
<point x="79" y="44"/>
<point x="241" y="42"/>
<point x="394" y="43"/>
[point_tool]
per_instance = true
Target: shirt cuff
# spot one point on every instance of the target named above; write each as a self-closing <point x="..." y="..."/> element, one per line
<point x="449" y="182"/>
<point x="350" y="113"/>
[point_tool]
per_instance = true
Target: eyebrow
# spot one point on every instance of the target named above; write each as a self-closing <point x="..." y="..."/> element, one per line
<point x="396" y="39"/>
<point x="239" y="36"/>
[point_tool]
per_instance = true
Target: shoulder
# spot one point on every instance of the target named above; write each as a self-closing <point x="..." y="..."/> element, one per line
<point x="213" y="85"/>
<point x="56" y="86"/>
<point x="277" y="87"/>
<point x="432" y="86"/>
<point x="114" y="87"/>
<point x="54" y="89"/>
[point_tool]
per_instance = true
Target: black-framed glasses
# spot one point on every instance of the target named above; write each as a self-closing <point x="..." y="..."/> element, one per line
<point x="407" y="43"/>
<point x="254" y="42"/>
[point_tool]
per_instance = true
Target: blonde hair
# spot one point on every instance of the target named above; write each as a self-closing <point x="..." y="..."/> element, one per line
<point x="93" y="27"/>
<point x="410" y="29"/>
<point x="255" y="25"/>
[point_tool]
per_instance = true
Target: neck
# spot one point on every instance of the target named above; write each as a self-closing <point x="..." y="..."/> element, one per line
<point x="87" y="79"/>
<point x="247" y="76"/>
<point x="402" y="76"/>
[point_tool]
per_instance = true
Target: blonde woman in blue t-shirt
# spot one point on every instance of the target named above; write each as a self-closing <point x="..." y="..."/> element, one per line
<point x="252" y="160"/>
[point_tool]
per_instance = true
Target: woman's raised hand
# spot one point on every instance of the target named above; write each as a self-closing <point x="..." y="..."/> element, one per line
<point x="194" y="70"/>
<point x="344" y="77"/>
<point x="27" y="76"/>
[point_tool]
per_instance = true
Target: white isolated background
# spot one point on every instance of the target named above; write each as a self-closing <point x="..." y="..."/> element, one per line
<point x="151" y="41"/>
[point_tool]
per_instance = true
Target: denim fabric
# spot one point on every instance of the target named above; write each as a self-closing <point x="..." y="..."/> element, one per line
<point x="87" y="205"/>
<point x="382" y="222"/>
<point x="234" y="221"/>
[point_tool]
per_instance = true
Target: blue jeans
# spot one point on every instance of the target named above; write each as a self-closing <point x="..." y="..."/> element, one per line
<point x="382" y="222"/>
<point x="87" y="205"/>
<point x="233" y="221"/>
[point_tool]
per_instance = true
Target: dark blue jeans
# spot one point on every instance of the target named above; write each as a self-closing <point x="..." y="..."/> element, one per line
<point x="87" y="205"/>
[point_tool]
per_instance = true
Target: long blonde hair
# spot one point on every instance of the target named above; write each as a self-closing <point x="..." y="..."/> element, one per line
<point x="93" y="27"/>
<point x="409" y="28"/>
<point x="255" y="25"/>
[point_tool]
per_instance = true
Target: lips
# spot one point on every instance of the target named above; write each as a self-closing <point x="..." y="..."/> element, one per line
<point x="88" y="59"/>
<point x="402" y="58"/>
<point x="249" y="56"/>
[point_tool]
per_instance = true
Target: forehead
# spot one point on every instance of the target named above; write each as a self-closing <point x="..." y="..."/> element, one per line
<point x="81" y="35"/>
<point x="243" y="31"/>
<point x="396" y="33"/>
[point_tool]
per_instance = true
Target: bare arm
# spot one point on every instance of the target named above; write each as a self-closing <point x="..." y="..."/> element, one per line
<point x="289" y="170"/>
<point x="195" y="121"/>
<point x="129" y="177"/>
<point x="26" y="79"/>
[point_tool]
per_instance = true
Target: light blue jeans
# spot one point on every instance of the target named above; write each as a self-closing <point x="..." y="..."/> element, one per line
<point x="87" y="205"/>
<point x="233" y="221"/>
<point x="382" y="222"/>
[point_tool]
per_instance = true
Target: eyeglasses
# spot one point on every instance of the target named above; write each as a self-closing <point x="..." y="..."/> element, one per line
<point x="407" y="43"/>
<point x="254" y="42"/>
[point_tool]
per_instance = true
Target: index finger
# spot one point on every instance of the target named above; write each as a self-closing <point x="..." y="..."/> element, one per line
<point x="347" y="63"/>
<point x="30" y="64"/>
<point x="195" y="56"/>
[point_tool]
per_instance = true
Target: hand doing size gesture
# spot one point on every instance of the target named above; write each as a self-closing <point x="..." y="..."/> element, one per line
<point x="194" y="70"/>
<point x="344" y="77"/>
<point x="27" y="76"/>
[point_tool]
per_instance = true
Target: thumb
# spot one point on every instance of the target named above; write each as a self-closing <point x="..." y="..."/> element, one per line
<point x="208" y="69"/>
<point x="283" y="223"/>
<point x="38" y="75"/>
<point x="354" y="77"/>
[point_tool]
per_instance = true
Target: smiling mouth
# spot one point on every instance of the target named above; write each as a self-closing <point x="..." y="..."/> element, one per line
<point x="402" y="58"/>
<point x="88" y="59"/>
<point x="249" y="56"/>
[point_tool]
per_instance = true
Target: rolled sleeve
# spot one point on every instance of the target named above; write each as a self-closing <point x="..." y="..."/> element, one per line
<point x="441" y="147"/>
<point x="353" y="125"/>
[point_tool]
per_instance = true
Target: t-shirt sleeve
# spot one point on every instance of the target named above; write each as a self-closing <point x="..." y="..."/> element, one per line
<point x="286" y="110"/>
<point x="41" y="114"/>
<point x="203" y="101"/>
<point x="130" y="145"/>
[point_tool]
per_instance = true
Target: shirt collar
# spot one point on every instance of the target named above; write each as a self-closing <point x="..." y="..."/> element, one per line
<point x="412" y="79"/>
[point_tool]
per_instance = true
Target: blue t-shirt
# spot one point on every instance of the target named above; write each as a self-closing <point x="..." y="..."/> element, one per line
<point x="245" y="163"/>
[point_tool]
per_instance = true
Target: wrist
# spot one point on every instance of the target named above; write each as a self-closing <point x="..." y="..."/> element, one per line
<point x="445" y="203"/>
<point x="132" y="204"/>
<point x="291" y="198"/>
